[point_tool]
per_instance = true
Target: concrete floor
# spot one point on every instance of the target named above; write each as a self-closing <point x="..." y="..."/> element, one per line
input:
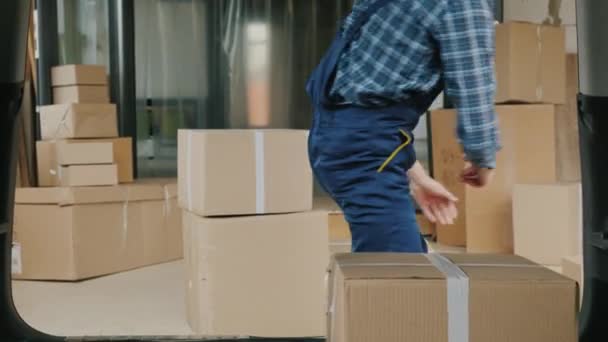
<point x="148" y="301"/>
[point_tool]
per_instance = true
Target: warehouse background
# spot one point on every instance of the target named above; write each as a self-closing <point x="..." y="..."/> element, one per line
<point x="242" y="64"/>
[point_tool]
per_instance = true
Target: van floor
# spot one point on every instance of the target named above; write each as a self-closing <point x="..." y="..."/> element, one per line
<point x="143" y="302"/>
<point x="147" y="301"/>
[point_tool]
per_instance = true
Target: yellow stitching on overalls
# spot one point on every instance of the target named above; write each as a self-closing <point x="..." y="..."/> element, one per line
<point x="390" y="158"/>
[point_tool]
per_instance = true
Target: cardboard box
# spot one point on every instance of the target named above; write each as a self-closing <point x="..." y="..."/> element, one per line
<point x="76" y="152"/>
<point x="572" y="267"/>
<point x="78" y="233"/>
<point x="88" y="175"/>
<point x="258" y="275"/>
<point x="81" y="94"/>
<point x="484" y="223"/>
<point x="339" y="229"/>
<point x="78" y="74"/>
<point x="242" y="172"/>
<point x="547" y="222"/>
<point x="401" y="297"/>
<point x="78" y="121"/>
<point x="530" y="63"/>
<point x="46" y="152"/>
<point x="427" y="228"/>
<point x="566" y="127"/>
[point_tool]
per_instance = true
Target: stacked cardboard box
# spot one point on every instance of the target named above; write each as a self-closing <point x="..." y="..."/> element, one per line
<point x="75" y="233"/>
<point x="254" y="250"/>
<point x="80" y="144"/>
<point x="80" y="223"/>
<point x="537" y="117"/>
<point x="401" y="297"/>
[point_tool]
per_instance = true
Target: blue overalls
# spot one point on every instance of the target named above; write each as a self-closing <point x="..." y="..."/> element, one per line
<point x="360" y="156"/>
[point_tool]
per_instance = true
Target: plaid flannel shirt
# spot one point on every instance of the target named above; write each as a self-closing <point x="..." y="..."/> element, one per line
<point x="412" y="47"/>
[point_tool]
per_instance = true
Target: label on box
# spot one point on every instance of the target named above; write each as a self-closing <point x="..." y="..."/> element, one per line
<point x="16" y="265"/>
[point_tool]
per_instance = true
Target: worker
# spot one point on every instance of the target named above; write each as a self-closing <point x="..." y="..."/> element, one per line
<point x="388" y="62"/>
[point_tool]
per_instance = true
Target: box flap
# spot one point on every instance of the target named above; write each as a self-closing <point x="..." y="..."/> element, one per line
<point x="503" y="268"/>
<point x="65" y="196"/>
<point x="385" y="266"/>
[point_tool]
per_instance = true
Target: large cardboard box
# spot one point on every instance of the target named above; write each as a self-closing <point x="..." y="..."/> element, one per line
<point x="78" y="121"/>
<point x="48" y="165"/>
<point x="241" y="172"/>
<point x="76" y="152"/>
<point x="401" y="297"/>
<point x="547" y="221"/>
<point x="484" y="223"/>
<point x="81" y="94"/>
<point x="530" y="63"/>
<point x="78" y="233"/>
<point x="78" y="74"/>
<point x="257" y="275"/>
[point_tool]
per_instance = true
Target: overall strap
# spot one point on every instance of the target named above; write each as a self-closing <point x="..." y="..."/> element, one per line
<point x="360" y="20"/>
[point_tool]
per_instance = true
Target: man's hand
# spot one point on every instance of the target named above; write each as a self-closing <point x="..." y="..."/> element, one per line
<point x="476" y="176"/>
<point x="436" y="202"/>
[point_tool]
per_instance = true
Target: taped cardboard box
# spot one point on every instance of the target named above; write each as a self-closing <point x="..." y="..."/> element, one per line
<point x="547" y="221"/>
<point x="246" y="273"/>
<point x="476" y="298"/>
<point x="242" y="172"/>
<point x="47" y="153"/>
<point x="78" y="74"/>
<point x="81" y="94"/>
<point x="71" y="234"/>
<point x="485" y="222"/>
<point x="530" y="63"/>
<point x="78" y="121"/>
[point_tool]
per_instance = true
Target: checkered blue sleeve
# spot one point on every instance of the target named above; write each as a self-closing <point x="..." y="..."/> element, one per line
<point x="466" y="41"/>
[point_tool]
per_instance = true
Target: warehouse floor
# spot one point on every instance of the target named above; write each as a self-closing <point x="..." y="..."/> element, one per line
<point x="148" y="301"/>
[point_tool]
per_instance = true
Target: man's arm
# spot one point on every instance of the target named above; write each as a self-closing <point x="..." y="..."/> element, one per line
<point x="465" y="34"/>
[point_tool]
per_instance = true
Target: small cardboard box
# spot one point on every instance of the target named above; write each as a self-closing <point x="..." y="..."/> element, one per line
<point x="78" y="121"/>
<point x="245" y="273"/>
<point x="81" y="94"/>
<point x="485" y="220"/>
<point x="405" y="297"/>
<point x="242" y="172"/>
<point x="76" y="152"/>
<point x="78" y="74"/>
<point x="547" y="221"/>
<point x="88" y="175"/>
<point x="47" y="154"/>
<point x="78" y="233"/>
<point x="530" y="63"/>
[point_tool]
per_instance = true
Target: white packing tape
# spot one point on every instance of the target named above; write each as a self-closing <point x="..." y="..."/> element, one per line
<point x="189" y="157"/>
<point x="458" y="297"/>
<point x="539" y="85"/>
<point x="260" y="181"/>
<point x="125" y="218"/>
